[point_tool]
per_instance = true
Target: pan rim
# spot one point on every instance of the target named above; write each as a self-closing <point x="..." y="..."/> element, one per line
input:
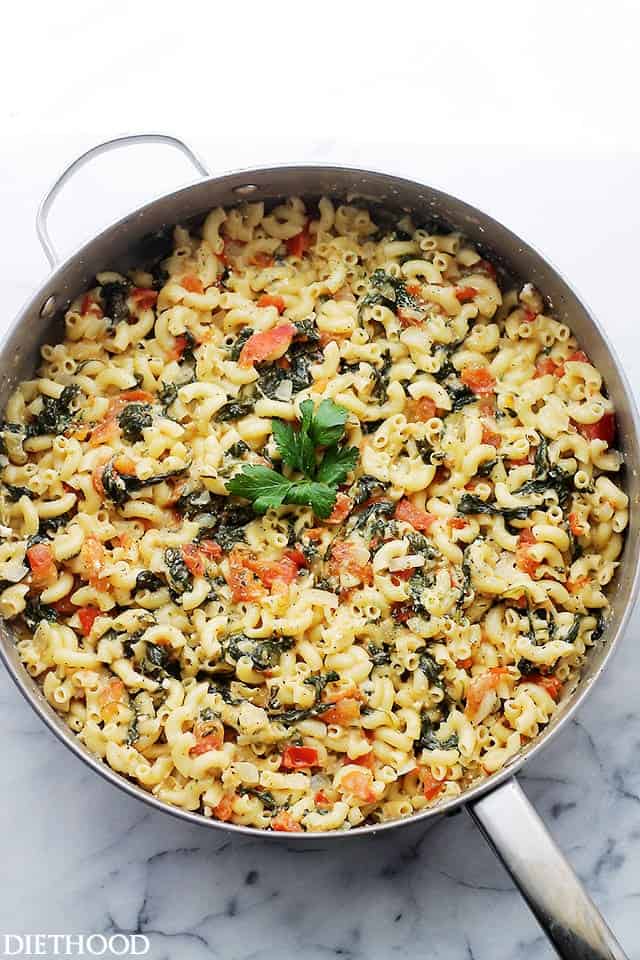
<point x="631" y="558"/>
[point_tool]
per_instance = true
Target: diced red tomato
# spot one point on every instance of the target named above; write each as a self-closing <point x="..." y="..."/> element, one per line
<point x="272" y="571"/>
<point x="414" y="289"/>
<point x="575" y="586"/>
<point x="367" y="760"/>
<point x="464" y="294"/>
<point x="341" y="509"/>
<point x="524" y="560"/>
<point x="296" y="556"/>
<point x="576" y="526"/>
<point x="359" y="784"/>
<point x="272" y="300"/>
<point x="480" y="687"/>
<point x="180" y="344"/>
<point x="245" y="588"/>
<point x="422" y="410"/>
<point x="342" y="693"/>
<point x="193" y="560"/>
<point x="344" y="560"/>
<point x="401" y="612"/>
<point x="109" y="698"/>
<point x="344" y="712"/>
<point x="419" y="519"/>
<point x="261" y="259"/>
<point x="486" y="267"/>
<point x="321" y="799"/>
<point x="297" y="246"/>
<point x="529" y="315"/>
<point x="479" y="379"/>
<point x="137" y="395"/>
<point x="43" y="568"/>
<point x="552" y="685"/>
<point x="96" y="474"/>
<point x="212" y="741"/>
<point x="211" y="549"/>
<point x="490" y="436"/>
<point x="86" y="616"/>
<point x="578" y="356"/>
<point x="458" y="523"/>
<point x="125" y="465"/>
<point x="224" y="810"/>
<point x="269" y="345"/>
<point x="143" y="298"/>
<point x="313" y="533"/>
<point x="465" y="664"/>
<point x="93" y="558"/>
<point x="603" y="429"/>
<point x="520" y="462"/>
<point x="89" y="305"/>
<point x="283" y="822"/>
<point x="545" y="365"/>
<point x="299" y="758"/>
<point x="105" y="432"/>
<point x="192" y="284"/>
<point x="430" y="786"/>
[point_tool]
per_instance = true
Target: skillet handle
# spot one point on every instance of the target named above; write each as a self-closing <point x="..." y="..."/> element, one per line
<point x="42" y="215"/>
<point x="554" y="893"/>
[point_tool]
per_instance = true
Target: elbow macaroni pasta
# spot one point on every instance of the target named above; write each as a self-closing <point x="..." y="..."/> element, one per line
<point x="282" y="671"/>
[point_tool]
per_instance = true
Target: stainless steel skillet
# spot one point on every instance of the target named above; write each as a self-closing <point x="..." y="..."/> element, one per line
<point x="498" y="805"/>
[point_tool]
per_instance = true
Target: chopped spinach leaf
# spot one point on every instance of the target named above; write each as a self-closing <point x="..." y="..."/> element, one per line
<point x="55" y="416"/>
<point x="431" y="669"/>
<point x="362" y="490"/>
<point x="469" y="504"/>
<point x="180" y="578"/>
<point x="428" y="739"/>
<point x="146" y="580"/>
<point x="236" y="347"/>
<point x="234" y="410"/>
<point x="35" y="611"/>
<point x="114" y="301"/>
<point x="264" y="654"/>
<point x="598" y="630"/>
<point x="379" y="656"/>
<point x="14" y="493"/>
<point x="135" y="418"/>
<point x="167" y="395"/>
<point x="265" y="796"/>
<point x="320" y="681"/>
<point x="460" y="395"/>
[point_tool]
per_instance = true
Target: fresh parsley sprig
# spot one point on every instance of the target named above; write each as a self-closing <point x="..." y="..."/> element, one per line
<point x="318" y="430"/>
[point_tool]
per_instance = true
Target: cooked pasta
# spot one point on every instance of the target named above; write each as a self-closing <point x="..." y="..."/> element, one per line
<point x="308" y="522"/>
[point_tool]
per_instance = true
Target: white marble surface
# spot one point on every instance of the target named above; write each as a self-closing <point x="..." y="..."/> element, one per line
<point x="79" y="856"/>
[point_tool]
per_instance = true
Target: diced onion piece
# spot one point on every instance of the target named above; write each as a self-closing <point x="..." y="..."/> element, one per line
<point x="284" y="391"/>
<point x="323" y="598"/>
<point x="5" y="531"/>
<point x="406" y="563"/>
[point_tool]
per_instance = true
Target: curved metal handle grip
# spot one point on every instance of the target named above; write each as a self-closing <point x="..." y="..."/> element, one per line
<point x="558" y="900"/>
<point x="49" y="198"/>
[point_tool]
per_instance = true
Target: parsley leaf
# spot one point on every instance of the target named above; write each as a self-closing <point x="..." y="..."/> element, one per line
<point x="320" y="496"/>
<point x="297" y="446"/>
<point x="336" y="464"/>
<point x="327" y="426"/>
<point x="263" y="486"/>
